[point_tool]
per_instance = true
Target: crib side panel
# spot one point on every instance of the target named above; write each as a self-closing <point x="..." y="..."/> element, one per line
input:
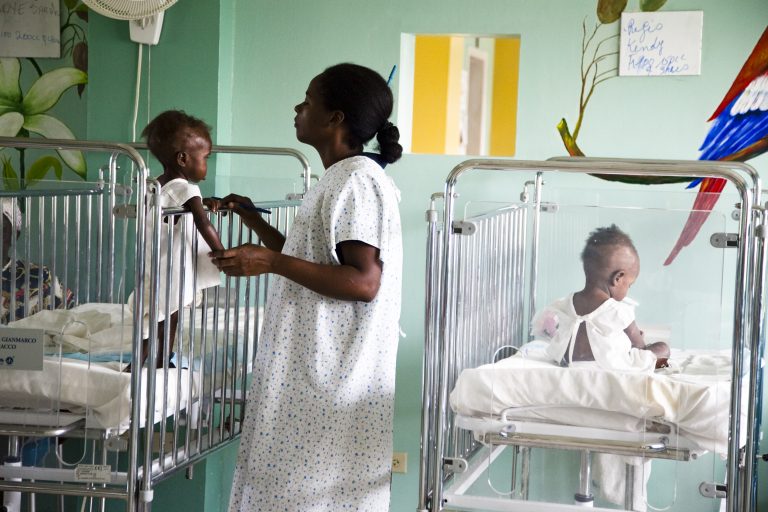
<point x="499" y="407"/>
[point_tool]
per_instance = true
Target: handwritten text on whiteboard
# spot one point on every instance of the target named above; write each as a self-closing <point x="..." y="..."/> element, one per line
<point x="660" y="43"/>
<point x="30" y="28"/>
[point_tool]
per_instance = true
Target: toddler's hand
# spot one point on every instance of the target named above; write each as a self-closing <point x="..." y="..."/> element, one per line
<point x="213" y="204"/>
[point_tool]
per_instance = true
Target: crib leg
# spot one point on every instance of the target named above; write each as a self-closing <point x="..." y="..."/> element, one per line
<point x="12" y="499"/>
<point x="525" y="468"/>
<point x="584" y="497"/>
<point x="629" y="487"/>
<point x="515" y="451"/>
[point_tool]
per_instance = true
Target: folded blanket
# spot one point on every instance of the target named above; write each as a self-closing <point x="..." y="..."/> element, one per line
<point x="81" y="329"/>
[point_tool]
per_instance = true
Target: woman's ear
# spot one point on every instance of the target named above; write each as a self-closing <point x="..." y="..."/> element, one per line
<point x="337" y="118"/>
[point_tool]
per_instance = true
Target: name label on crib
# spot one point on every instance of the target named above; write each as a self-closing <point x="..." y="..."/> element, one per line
<point x="21" y="349"/>
<point x="97" y="473"/>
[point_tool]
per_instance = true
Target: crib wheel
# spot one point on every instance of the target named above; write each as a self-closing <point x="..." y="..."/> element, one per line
<point x="584" y="500"/>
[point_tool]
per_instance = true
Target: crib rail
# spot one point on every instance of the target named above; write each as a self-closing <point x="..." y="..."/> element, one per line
<point x="222" y="357"/>
<point x="481" y="278"/>
<point x="98" y="239"/>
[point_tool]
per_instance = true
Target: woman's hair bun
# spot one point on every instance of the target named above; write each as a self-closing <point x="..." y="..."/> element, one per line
<point x="389" y="147"/>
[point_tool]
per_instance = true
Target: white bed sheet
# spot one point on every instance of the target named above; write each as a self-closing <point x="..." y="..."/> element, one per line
<point x="693" y="394"/>
<point x="104" y="329"/>
<point x="99" y="391"/>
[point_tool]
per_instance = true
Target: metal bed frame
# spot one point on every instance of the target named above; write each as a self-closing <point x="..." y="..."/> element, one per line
<point x="92" y="217"/>
<point x="471" y="264"/>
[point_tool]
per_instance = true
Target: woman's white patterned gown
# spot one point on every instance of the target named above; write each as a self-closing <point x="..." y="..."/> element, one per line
<point x="318" y="429"/>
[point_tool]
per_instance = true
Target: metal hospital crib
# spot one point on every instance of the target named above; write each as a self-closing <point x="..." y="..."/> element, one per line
<point x="493" y="261"/>
<point x="74" y="422"/>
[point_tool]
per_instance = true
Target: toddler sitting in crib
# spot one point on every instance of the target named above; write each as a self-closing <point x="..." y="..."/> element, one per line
<point x="182" y="144"/>
<point x="26" y="287"/>
<point x="597" y="324"/>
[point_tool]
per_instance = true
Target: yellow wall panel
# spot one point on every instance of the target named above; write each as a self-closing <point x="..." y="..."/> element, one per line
<point x="506" y="69"/>
<point x="430" y="93"/>
<point x="453" y="97"/>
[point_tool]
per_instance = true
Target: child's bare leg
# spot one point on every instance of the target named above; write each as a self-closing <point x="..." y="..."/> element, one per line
<point x="161" y="342"/>
<point x="143" y="356"/>
<point x="172" y="324"/>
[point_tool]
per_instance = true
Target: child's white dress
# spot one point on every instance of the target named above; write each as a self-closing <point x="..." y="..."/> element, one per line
<point x="558" y="324"/>
<point x="317" y="434"/>
<point x="174" y="194"/>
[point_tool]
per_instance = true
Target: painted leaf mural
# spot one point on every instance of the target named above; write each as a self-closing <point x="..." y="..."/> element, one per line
<point x="10" y="89"/>
<point x="609" y="11"/>
<point x="599" y="64"/>
<point x="24" y="114"/>
<point x="651" y="5"/>
<point x="10" y="124"/>
<point x="47" y="89"/>
<point x="44" y="93"/>
<point x="41" y="166"/>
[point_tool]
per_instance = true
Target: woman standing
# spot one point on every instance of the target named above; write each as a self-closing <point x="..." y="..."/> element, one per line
<point x="318" y="429"/>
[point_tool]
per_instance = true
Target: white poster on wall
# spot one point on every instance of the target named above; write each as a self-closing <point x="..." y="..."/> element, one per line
<point x="660" y="43"/>
<point x="30" y="28"/>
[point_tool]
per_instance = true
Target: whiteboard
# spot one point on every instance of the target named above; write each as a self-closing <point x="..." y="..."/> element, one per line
<point x="660" y="43"/>
<point x="30" y="28"/>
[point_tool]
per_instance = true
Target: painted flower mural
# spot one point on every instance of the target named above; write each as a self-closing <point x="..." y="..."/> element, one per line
<point x="23" y="114"/>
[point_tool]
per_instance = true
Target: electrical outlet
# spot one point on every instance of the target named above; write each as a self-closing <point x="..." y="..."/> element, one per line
<point x="399" y="462"/>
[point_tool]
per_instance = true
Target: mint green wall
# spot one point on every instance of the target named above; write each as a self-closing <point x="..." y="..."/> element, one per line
<point x="243" y="65"/>
<point x="284" y="44"/>
<point x="181" y="72"/>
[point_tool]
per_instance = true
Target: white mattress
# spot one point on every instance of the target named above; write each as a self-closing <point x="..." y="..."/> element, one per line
<point x="100" y="392"/>
<point x="104" y="329"/>
<point x="693" y="395"/>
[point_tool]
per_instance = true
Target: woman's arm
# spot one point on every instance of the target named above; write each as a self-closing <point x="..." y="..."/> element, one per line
<point x="357" y="279"/>
<point x="243" y="206"/>
<point x="203" y="224"/>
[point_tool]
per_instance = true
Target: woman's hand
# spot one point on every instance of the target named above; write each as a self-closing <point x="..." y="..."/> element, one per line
<point x="238" y="204"/>
<point x="358" y="278"/>
<point x="234" y="202"/>
<point x="245" y="260"/>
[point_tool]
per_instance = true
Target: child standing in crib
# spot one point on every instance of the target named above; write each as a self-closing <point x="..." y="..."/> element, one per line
<point x="182" y="144"/>
<point x="597" y="324"/>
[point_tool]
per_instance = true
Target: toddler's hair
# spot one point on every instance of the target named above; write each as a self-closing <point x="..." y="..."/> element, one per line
<point x="599" y="244"/>
<point x="166" y="133"/>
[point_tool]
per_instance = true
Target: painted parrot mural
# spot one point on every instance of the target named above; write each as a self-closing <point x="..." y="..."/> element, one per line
<point x="739" y="132"/>
<point x="740" y="123"/>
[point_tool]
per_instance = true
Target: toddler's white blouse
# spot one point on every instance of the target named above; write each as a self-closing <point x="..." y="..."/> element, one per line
<point x="558" y="324"/>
